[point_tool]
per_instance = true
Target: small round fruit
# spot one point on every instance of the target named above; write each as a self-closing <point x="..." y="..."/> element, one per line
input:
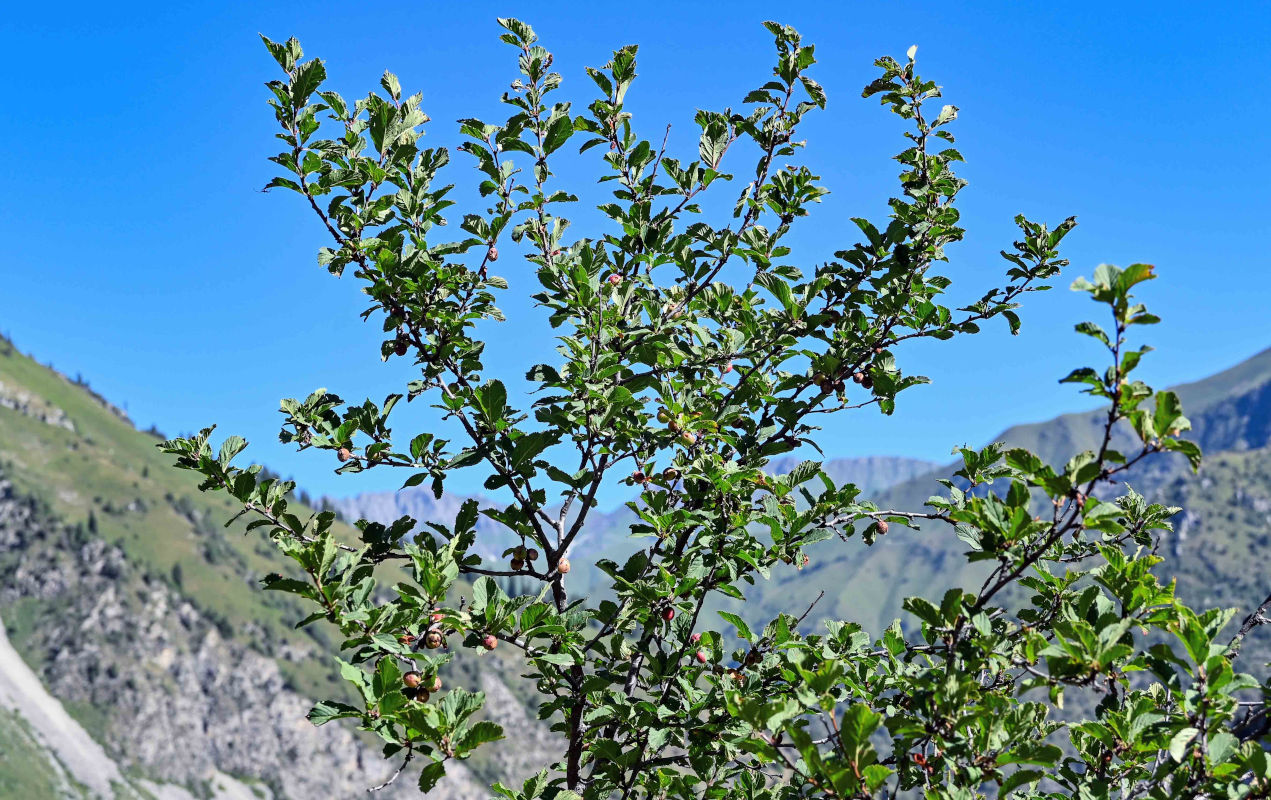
<point x="422" y="695"/>
<point x="344" y="454"/>
<point x="400" y="347"/>
<point x="664" y="416"/>
<point x="689" y="438"/>
<point x="412" y="679"/>
<point x="518" y="564"/>
<point x="531" y="555"/>
<point x="668" y="614"/>
<point x="562" y="566"/>
<point x="518" y="552"/>
<point x="701" y="656"/>
<point x="867" y="382"/>
<point x="727" y="368"/>
<point x="437" y="616"/>
<point x="489" y="642"/>
<point x="859" y="377"/>
<point x="492" y="254"/>
<point x="883" y="526"/>
<point x="406" y="638"/>
<point x="432" y="640"/>
<point x="670" y="474"/>
<point x="614" y="280"/>
<point x="639" y="477"/>
<point x="436" y="685"/>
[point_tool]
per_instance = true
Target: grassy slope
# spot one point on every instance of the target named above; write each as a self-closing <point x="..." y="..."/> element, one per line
<point x="26" y="768"/>
<point x="105" y="465"/>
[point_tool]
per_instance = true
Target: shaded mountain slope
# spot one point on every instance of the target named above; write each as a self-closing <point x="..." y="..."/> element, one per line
<point x="1222" y="523"/>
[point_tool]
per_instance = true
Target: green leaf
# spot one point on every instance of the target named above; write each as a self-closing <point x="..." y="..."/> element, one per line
<point x="326" y="710"/>
<point x="1178" y="744"/>
<point x="743" y="630"/>
<point x="558" y="132"/>
<point x="478" y="734"/>
<point x="432" y="772"/>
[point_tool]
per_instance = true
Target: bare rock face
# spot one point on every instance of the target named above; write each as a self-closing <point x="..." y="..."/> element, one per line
<point x="27" y="404"/>
<point x="179" y="701"/>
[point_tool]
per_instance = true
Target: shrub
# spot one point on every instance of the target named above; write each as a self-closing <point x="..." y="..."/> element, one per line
<point x="691" y="353"/>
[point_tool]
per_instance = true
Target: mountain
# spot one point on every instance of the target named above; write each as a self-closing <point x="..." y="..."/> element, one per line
<point x="1224" y="525"/>
<point x="871" y="473"/>
<point x="141" y="617"/>
<point x="141" y="660"/>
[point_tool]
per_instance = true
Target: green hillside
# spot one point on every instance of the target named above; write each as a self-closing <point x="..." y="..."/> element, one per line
<point x="109" y="477"/>
<point x="94" y="477"/>
<point x="29" y="770"/>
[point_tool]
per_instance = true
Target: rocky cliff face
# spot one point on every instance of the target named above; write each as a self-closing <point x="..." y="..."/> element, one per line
<point x="173" y="699"/>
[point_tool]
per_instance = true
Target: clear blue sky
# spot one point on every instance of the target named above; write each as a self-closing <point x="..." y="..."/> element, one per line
<point x="139" y="252"/>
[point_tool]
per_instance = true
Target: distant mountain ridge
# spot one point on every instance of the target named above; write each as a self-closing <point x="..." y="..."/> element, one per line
<point x="870" y="473"/>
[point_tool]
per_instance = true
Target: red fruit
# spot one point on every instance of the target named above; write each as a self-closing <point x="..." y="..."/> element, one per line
<point x="668" y="614"/>
<point x="412" y="679"/>
<point x="531" y="554"/>
<point x="701" y="657"/>
<point x="697" y="637"/>
<point x="882" y="526"/>
<point x="406" y="638"/>
<point x="344" y="454"/>
<point x="614" y="280"/>
<point x="437" y="616"/>
<point x="432" y="640"/>
<point x="518" y="564"/>
<point x="401" y="347"/>
<point x="806" y="560"/>
<point x="422" y="695"/>
<point x="689" y="438"/>
<point x="562" y="566"/>
<point x="489" y="642"/>
<point x="639" y="477"/>
<point x="492" y="254"/>
<point x="436" y="685"/>
<point x="727" y="368"/>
